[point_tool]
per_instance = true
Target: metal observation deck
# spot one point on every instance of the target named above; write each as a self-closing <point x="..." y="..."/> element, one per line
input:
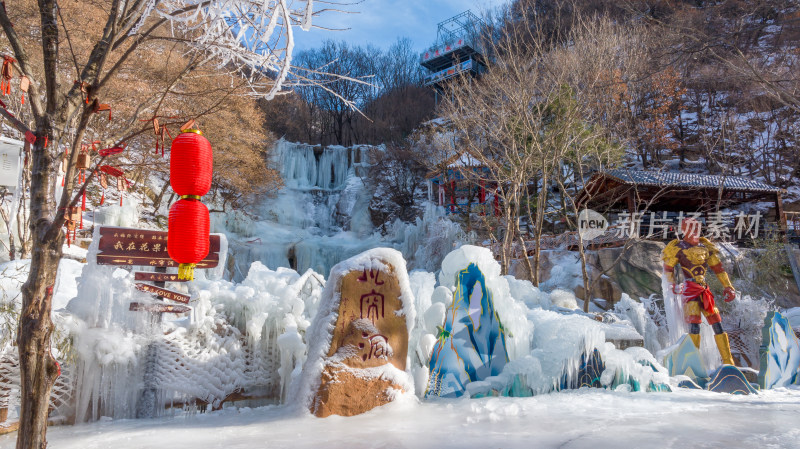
<point x="458" y="49"/>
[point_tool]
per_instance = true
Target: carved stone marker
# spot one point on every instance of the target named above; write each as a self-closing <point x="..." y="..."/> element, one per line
<point x="364" y="365"/>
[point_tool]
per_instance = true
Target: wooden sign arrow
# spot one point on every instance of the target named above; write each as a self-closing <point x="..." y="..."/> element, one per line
<point x="157" y="277"/>
<point x="163" y="292"/>
<point x="158" y="308"/>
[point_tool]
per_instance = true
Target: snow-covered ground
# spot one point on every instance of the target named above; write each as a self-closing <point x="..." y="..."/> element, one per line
<point x="586" y="418"/>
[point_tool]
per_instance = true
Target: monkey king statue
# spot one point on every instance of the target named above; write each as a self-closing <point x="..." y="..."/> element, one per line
<point x="696" y="255"/>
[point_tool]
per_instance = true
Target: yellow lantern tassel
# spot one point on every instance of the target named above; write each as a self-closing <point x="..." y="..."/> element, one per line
<point x="186" y="271"/>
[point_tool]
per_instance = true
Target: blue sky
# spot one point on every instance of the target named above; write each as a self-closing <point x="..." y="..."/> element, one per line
<point x="381" y="22"/>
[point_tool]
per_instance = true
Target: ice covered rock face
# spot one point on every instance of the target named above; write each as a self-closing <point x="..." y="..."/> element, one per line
<point x="365" y="362"/>
<point x="471" y="345"/>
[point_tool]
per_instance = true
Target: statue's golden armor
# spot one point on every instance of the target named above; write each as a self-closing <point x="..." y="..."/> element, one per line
<point x="695" y="259"/>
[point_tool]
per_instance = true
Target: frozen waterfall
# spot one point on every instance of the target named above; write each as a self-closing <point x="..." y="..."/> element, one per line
<point x="321" y="216"/>
<point x="318" y="218"/>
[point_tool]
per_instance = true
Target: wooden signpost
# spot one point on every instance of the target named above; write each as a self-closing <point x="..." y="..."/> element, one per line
<point x="163" y="292"/>
<point x="159" y="307"/>
<point x="128" y="246"/>
<point x="156" y="277"/>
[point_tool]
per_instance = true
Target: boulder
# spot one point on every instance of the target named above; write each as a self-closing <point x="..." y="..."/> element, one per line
<point x="358" y="343"/>
<point x="635" y="271"/>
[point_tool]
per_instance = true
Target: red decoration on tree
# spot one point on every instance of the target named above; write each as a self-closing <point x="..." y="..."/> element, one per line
<point x="83" y="208"/>
<point x="7" y="74"/>
<point x="113" y="171"/>
<point x="105" y="152"/>
<point x="24" y="83"/>
<point x="190" y="167"/>
<point x="98" y="107"/>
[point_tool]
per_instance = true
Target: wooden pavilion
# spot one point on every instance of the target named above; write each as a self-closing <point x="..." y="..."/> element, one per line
<point x="637" y="190"/>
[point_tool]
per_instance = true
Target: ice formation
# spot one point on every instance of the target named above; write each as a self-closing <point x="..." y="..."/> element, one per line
<point x="239" y="337"/>
<point x="780" y="358"/>
<point x="321" y="216"/>
<point x="317" y="219"/>
<point x="251" y="336"/>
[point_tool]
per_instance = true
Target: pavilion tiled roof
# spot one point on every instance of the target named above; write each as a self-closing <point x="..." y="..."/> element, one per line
<point x="689" y="180"/>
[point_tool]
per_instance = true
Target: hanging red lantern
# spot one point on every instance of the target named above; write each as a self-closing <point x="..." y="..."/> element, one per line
<point x="187" y="238"/>
<point x="190" y="163"/>
<point x="190" y="168"/>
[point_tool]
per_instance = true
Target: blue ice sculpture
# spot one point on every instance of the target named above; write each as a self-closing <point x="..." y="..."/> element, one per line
<point x="729" y="379"/>
<point x="589" y="372"/>
<point x="686" y="360"/>
<point x="779" y="353"/>
<point x="471" y="345"/>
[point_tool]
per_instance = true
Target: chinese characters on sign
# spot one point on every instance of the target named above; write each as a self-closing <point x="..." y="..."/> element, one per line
<point x="126" y="246"/>
<point x="718" y="225"/>
<point x="157" y="277"/>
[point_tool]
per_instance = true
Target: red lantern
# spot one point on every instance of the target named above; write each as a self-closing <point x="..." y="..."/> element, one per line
<point x="190" y="164"/>
<point x="187" y="238"/>
<point x="190" y="169"/>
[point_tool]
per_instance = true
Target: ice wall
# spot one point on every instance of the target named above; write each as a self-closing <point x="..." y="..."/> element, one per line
<point x="317" y="219"/>
<point x="321" y="216"/>
<point x="244" y="336"/>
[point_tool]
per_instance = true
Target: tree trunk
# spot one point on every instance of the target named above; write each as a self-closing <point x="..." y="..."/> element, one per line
<point x="541" y="206"/>
<point x="531" y="272"/>
<point x="38" y="369"/>
<point x="507" y="238"/>
<point x="584" y="274"/>
<point x="157" y="200"/>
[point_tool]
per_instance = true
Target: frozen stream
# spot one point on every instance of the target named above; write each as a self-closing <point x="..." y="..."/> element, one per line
<point x="586" y="418"/>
